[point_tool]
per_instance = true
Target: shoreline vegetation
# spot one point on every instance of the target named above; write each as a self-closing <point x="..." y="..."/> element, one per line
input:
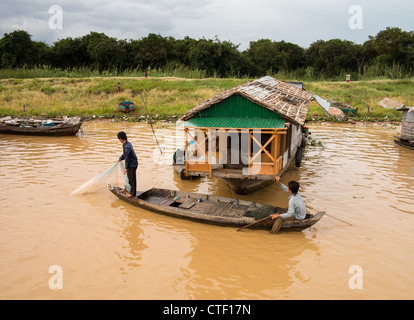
<point x="167" y="98"/>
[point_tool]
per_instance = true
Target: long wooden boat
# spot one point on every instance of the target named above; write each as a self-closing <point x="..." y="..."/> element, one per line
<point x="212" y="209"/>
<point x="39" y="127"/>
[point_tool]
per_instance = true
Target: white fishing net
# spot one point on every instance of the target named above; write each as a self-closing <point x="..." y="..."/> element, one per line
<point x="96" y="182"/>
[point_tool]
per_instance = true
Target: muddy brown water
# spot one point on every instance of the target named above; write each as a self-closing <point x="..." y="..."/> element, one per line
<point x="105" y="248"/>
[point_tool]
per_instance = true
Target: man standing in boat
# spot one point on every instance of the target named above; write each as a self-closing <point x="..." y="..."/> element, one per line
<point x="131" y="163"/>
<point x="296" y="209"/>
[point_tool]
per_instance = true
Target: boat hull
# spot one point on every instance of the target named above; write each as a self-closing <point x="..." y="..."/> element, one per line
<point x="214" y="210"/>
<point x="56" y="131"/>
<point x="126" y="110"/>
<point x="245" y="186"/>
<point x="345" y="107"/>
<point x="126" y="106"/>
<point x="405" y="143"/>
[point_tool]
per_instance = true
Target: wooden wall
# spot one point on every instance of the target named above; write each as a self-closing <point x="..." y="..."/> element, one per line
<point x="407" y="125"/>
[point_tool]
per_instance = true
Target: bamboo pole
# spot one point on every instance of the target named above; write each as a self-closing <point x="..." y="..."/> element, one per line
<point x="253" y="223"/>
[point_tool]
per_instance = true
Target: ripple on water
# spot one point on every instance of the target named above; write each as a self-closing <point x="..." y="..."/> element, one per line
<point x="110" y="249"/>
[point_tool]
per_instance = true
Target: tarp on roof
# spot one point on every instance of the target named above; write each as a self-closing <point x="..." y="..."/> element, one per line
<point x="323" y="103"/>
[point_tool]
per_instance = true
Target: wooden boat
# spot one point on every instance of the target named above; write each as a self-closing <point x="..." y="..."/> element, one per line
<point x="404" y="143"/>
<point x="344" y="107"/>
<point x="212" y="209"/>
<point x="237" y="184"/>
<point x="245" y="186"/>
<point x="126" y="106"/>
<point x="407" y="128"/>
<point x="41" y="127"/>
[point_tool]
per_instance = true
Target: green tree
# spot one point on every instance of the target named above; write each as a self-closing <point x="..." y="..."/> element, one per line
<point x="295" y="55"/>
<point x="108" y="54"/>
<point x="90" y="41"/>
<point x="333" y="57"/>
<point x="152" y="52"/>
<point x="70" y="53"/>
<point x="266" y="56"/>
<point x="204" y="55"/>
<point x="366" y="54"/>
<point x="16" y="49"/>
<point x="42" y="54"/>
<point x="229" y="61"/>
<point x="181" y="50"/>
<point x="394" y="46"/>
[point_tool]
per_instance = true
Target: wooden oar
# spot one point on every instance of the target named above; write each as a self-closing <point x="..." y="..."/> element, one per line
<point x="253" y="223"/>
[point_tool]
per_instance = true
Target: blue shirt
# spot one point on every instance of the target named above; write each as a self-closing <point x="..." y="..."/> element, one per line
<point x="297" y="208"/>
<point x="131" y="160"/>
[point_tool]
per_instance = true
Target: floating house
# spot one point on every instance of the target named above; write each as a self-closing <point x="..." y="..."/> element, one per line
<point x="407" y="128"/>
<point x="246" y="135"/>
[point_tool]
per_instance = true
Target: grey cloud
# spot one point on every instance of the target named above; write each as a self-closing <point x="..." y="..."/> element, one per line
<point x="240" y="21"/>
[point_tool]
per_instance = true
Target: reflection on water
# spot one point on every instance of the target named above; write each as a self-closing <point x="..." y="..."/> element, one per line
<point x="110" y="249"/>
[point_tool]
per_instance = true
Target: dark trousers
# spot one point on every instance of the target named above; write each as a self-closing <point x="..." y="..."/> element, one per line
<point x="132" y="178"/>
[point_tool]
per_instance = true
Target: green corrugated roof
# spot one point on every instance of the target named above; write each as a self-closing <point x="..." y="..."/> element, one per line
<point x="234" y="122"/>
<point x="237" y="106"/>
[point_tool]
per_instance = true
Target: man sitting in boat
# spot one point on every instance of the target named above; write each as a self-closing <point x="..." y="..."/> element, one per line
<point x="297" y="208"/>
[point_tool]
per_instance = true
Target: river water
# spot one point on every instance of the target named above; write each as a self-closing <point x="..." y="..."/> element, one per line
<point x="95" y="246"/>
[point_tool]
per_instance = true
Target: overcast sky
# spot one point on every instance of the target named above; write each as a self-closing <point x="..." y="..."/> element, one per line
<point x="239" y="21"/>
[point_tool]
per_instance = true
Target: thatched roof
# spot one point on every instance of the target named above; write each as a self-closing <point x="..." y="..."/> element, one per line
<point x="289" y="101"/>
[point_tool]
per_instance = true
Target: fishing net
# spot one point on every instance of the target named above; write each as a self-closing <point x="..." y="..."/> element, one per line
<point x="93" y="184"/>
<point x="126" y="181"/>
<point x="261" y="212"/>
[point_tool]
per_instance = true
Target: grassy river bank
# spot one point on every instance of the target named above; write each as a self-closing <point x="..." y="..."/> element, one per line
<point x="168" y="98"/>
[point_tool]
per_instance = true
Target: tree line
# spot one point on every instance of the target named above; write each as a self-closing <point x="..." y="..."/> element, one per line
<point x="392" y="48"/>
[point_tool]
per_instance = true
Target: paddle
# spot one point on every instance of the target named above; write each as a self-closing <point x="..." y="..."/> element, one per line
<point x="253" y="223"/>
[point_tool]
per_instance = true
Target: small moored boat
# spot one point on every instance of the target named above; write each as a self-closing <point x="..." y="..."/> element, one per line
<point x="41" y="127"/>
<point x="344" y="107"/>
<point x="213" y="209"/>
<point x="126" y="106"/>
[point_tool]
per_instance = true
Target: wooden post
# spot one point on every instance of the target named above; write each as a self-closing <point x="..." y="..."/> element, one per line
<point x="208" y="146"/>
<point x="275" y="156"/>
<point x="185" y="151"/>
<point x="277" y="144"/>
<point x="249" y="155"/>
